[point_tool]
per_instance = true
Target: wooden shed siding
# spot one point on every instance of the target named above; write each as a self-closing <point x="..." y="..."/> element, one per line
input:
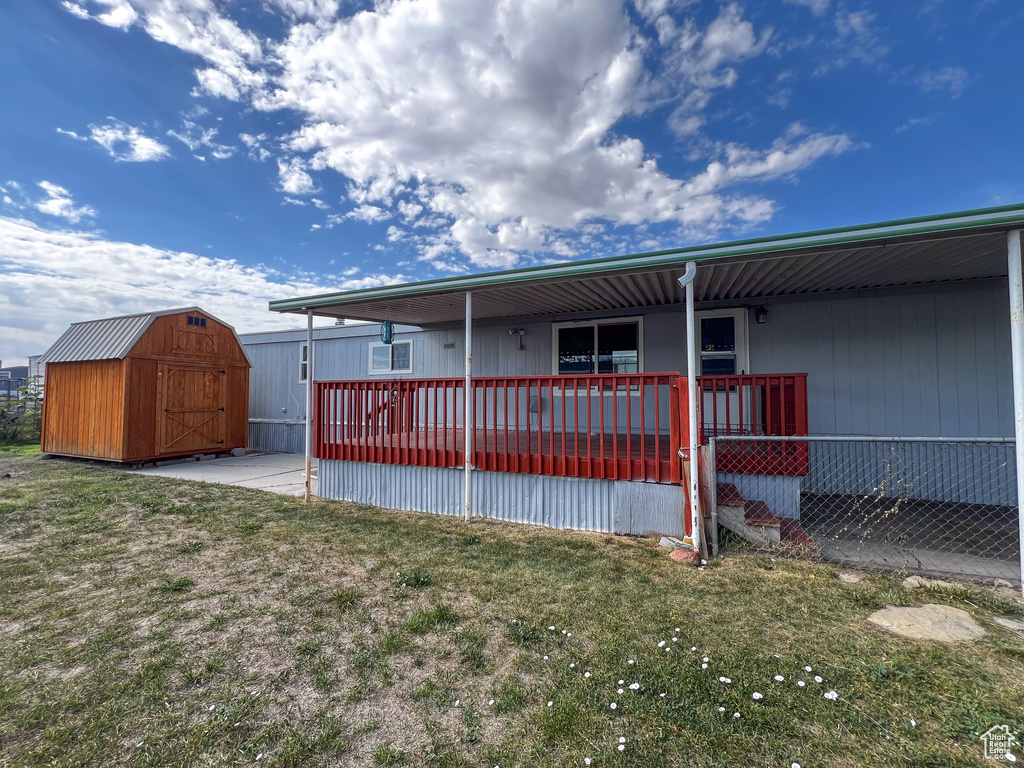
<point x="84" y="413"/>
<point x="142" y="407"/>
<point x="159" y="341"/>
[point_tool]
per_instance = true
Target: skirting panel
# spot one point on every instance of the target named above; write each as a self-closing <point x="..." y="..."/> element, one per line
<point x="555" y="502"/>
<point x="780" y="493"/>
<point x="277" y="436"/>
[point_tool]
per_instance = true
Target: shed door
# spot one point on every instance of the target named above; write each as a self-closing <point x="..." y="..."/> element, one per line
<point x="191" y="411"/>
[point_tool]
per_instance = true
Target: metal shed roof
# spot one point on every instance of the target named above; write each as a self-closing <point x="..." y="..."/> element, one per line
<point x="110" y="338"/>
<point x="950" y="247"/>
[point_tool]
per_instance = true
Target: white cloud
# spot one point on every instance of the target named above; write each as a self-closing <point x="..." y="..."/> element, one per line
<point x="951" y="79"/>
<point x="195" y="137"/>
<point x="857" y="40"/>
<point x="55" y="278"/>
<point x="293" y="177"/>
<point x="496" y="126"/>
<point x="368" y="213"/>
<point x="58" y="202"/>
<point x="915" y="122"/>
<point x="123" y="142"/>
<point x="255" y="144"/>
<point x="818" y="7"/>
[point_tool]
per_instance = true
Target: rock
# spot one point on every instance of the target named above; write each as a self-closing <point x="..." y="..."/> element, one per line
<point x="849" y="577"/>
<point x="671" y="542"/>
<point x="1011" y="593"/>
<point x="1002" y="583"/>
<point x="1016" y="626"/>
<point x="238" y="452"/>
<point x="685" y="556"/>
<point x="928" y="622"/>
<point x="912" y="582"/>
<point x="940" y="584"/>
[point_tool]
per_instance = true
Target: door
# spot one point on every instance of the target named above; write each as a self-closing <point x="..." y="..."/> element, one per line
<point x="191" y="413"/>
<point x="722" y="351"/>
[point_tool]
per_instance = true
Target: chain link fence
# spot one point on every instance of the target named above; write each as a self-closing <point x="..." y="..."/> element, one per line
<point x="939" y="507"/>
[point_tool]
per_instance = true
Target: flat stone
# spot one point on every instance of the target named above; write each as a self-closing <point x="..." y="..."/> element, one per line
<point x="1016" y="626"/>
<point x="1002" y="583"/>
<point x="671" y="542"/>
<point x="913" y="582"/>
<point x="1011" y="593"/>
<point x="849" y="577"/>
<point x="685" y="556"/>
<point x="928" y="622"/>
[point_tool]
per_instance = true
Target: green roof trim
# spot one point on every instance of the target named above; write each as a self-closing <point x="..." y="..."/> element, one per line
<point x="984" y="218"/>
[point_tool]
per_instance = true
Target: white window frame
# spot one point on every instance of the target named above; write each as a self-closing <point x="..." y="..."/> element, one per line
<point x="377" y="345"/>
<point x="741" y="316"/>
<point x="638" y="319"/>
<point x="303" y="362"/>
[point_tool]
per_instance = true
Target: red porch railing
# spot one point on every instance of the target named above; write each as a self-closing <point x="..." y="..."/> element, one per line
<point x="621" y="427"/>
<point x="773" y="404"/>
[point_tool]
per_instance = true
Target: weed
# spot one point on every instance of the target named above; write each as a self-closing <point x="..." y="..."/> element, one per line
<point x="386" y="755"/>
<point x="438" y="617"/>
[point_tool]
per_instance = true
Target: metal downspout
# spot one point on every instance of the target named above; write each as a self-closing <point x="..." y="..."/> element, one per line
<point x="686" y="281"/>
<point x="1013" y="247"/>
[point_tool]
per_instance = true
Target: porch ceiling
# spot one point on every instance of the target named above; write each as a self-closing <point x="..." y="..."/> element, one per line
<point x="940" y="249"/>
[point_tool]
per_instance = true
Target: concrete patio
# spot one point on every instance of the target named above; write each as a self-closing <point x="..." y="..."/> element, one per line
<point x="275" y="472"/>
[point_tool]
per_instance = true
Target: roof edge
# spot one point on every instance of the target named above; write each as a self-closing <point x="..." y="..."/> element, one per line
<point x="933" y="224"/>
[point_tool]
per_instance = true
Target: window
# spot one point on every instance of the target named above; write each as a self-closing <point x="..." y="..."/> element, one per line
<point x="391" y="358"/>
<point x="199" y="322"/>
<point x="603" y="346"/>
<point x="722" y="341"/>
<point x="304" y="362"/>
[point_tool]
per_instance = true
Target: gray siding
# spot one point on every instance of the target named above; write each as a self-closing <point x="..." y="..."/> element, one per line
<point x="555" y="502"/>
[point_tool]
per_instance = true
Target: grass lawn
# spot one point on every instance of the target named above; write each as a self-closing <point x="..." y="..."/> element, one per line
<point x="153" y="622"/>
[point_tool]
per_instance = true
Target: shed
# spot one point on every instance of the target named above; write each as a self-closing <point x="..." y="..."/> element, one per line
<point x="147" y="386"/>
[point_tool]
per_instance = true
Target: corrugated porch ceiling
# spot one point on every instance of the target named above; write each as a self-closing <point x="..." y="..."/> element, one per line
<point x="956" y="247"/>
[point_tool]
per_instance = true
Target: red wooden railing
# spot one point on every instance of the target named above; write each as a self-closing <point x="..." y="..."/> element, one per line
<point x="767" y="404"/>
<point x="621" y="426"/>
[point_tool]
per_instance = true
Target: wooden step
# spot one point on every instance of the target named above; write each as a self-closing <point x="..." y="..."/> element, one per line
<point x="791" y="532"/>
<point x="757" y="513"/>
<point x="734" y="518"/>
<point x="728" y="495"/>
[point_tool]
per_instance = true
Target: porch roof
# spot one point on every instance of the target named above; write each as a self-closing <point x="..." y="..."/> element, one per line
<point x="945" y="248"/>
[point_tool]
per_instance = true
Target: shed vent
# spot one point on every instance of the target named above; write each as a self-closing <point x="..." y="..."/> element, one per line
<point x="198" y="321"/>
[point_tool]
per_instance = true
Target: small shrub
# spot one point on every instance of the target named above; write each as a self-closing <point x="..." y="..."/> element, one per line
<point x="521" y="633"/>
<point x="386" y="755"/>
<point x="345" y="598"/>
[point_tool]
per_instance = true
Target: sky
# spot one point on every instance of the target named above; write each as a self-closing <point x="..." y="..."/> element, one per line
<point x="165" y="153"/>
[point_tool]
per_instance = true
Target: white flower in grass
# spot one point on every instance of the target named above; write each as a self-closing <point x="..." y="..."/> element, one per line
<point x="634" y="686"/>
<point x="490" y="703"/>
<point x="613" y="705"/>
<point x="630" y="662"/>
<point x="801" y="683"/>
<point x="563" y="631"/>
<point x="677" y="630"/>
<point x="572" y="666"/>
<point x="586" y="674"/>
<point x="794" y="765"/>
<point x="735" y="715"/>
<point x="913" y="723"/>
<point x="721" y="709"/>
<point x="545" y="658"/>
<point x="779" y="678"/>
<point x="260" y="755"/>
<point x="622" y="747"/>
<point x="622" y="682"/>
<point x="808" y="669"/>
<point x="817" y="679"/>
<point x="622" y="739"/>
<point x="693" y="648"/>
<point x="663" y="695"/>
<point x="620" y="691"/>
<point x="550" y="703"/>
<point x="457" y="702"/>
<point x="551" y="628"/>
<point x="675" y="639"/>
<point x="757" y="696"/>
<point x="703" y="666"/>
<point x="669" y="648"/>
<point x="661" y="644"/>
<point x="586" y="761"/>
<point x="831" y="695"/>
<point x="236" y="725"/>
<point x="705" y="659"/>
<point x="1009" y="757"/>
<point x="212" y="707"/>
<point x="725" y="680"/>
<point x="568" y="634"/>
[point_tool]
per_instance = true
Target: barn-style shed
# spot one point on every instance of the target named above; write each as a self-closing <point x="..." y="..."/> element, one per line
<point x="147" y="386"/>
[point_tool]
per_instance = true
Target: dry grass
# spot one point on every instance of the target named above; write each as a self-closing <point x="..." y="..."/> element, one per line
<point x="146" y="621"/>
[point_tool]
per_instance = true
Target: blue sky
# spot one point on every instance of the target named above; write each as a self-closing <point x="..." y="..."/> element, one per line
<point x="159" y="153"/>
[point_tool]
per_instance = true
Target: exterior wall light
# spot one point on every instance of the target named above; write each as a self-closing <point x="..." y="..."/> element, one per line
<point x="761" y="315"/>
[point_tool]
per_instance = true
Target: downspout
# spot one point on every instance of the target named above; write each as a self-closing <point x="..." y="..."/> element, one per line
<point x="1016" y="280"/>
<point x="309" y="405"/>
<point x="468" y="419"/>
<point x="686" y="281"/>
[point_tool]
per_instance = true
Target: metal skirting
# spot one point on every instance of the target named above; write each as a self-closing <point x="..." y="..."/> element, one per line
<point x="276" y="436"/>
<point x="780" y="493"/>
<point x="555" y="502"/>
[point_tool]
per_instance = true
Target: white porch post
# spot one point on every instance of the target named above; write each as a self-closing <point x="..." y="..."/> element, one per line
<point x="691" y="405"/>
<point x="1013" y="243"/>
<point x="468" y="420"/>
<point x="309" y="405"/>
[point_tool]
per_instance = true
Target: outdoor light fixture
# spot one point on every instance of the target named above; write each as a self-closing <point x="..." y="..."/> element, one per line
<point x="761" y="315"/>
<point x="519" y="332"/>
